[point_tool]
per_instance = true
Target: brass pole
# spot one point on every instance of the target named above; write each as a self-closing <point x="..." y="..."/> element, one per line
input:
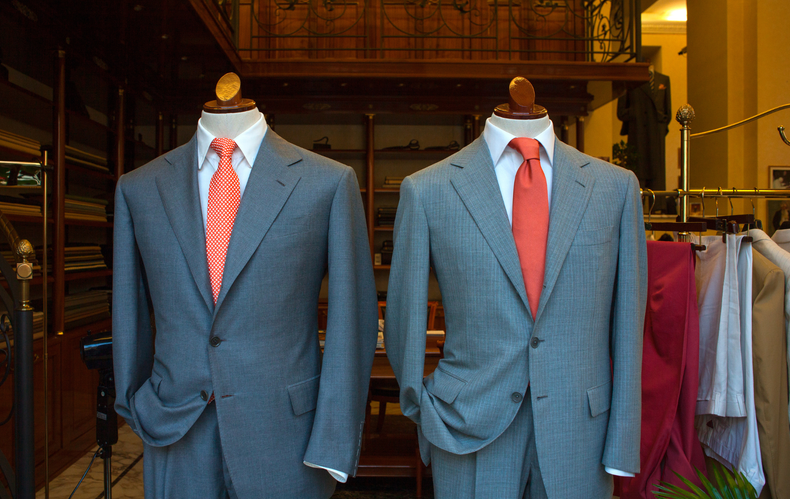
<point x="684" y="116"/>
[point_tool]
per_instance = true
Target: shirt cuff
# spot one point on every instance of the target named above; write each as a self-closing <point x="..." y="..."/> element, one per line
<point x="614" y="472"/>
<point x="337" y="475"/>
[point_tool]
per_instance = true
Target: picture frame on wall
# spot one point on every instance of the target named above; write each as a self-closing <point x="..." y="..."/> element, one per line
<point x="695" y="209"/>
<point x="778" y="212"/>
<point x="779" y="177"/>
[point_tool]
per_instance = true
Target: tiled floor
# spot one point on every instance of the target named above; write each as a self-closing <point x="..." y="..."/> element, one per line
<point x="127" y="472"/>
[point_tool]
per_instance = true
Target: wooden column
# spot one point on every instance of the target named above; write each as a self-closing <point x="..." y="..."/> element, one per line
<point x="564" y="129"/>
<point x="160" y="134"/>
<point x="59" y="200"/>
<point x="120" y="134"/>
<point x="369" y="156"/>
<point x="475" y="126"/>
<point x="173" y="132"/>
<point x="580" y="133"/>
<point x="467" y="130"/>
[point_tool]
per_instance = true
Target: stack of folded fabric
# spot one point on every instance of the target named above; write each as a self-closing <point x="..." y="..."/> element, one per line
<point x="392" y="182"/>
<point x="81" y="258"/>
<point x="87" y="307"/>
<point x="386" y="216"/>
<point x="386" y="252"/>
<point x="86" y="159"/>
<point x="85" y="208"/>
<point x="38" y="327"/>
<point x="20" y="143"/>
<point x="19" y="206"/>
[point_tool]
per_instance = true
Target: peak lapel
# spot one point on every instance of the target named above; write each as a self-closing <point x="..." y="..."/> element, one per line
<point x="570" y="194"/>
<point x="178" y="188"/>
<point x="478" y="188"/>
<point x="268" y="188"/>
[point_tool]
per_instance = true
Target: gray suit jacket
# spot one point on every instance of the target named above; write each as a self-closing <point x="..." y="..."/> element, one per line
<point x="586" y="409"/>
<point x="278" y="402"/>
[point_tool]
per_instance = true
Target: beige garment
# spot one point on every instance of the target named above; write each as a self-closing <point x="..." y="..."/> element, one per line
<point x="770" y="375"/>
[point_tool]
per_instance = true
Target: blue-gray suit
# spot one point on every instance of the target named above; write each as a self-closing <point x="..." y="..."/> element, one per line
<point x="586" y="410"/>
<point x="278" y="401"/>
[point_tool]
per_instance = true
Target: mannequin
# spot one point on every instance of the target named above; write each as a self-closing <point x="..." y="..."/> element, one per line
<point x="226" y="408"/>
<point x="513" y="384"/>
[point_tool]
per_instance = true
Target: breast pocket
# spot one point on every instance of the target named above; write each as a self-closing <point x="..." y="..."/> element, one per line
<point x="284" y="227"/>
<point x="593" y="237"/>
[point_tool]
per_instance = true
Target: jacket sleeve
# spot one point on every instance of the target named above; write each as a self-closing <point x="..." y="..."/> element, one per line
<point x="132" y="335"/>
<point x="405" y="324"/>
<point x="351" y="334"/>
<point x="621" y="449"/>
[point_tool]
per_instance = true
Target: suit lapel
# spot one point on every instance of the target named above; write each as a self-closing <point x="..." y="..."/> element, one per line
<point x="178" y="188"/>
<point x="268" y="188"/>
<point x="570" y="194"/>
<point x="478" y="188"/>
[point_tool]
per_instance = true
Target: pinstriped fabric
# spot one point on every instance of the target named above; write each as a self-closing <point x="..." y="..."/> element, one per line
<point x="224" y="197"/>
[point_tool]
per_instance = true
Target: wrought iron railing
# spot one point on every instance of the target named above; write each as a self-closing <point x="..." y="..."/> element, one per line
<point x="571" y="30"/>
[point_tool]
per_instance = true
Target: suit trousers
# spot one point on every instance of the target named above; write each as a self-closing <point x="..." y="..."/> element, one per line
<point x="507" y="468"/>
<point x="191" y="467"/>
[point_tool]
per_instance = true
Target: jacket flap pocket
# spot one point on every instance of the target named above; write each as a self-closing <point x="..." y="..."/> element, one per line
<point x="600" y="398"/>
<point x="590" y="237"/>
<point x="304" y="395"/>
<point x="445" y="386"/>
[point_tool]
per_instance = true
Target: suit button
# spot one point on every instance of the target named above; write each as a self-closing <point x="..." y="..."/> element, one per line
<point x="516" y="397"/>
<point x="203" y="395"/>
<point x="535" y="342"/>
<point x="215" y="341"/>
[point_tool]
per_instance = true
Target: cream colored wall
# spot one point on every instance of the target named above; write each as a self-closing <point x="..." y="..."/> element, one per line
<point x="602" y="128"/>
<point x="737" y="68"/>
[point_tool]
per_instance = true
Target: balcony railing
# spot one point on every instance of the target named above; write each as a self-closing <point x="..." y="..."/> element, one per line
<point x="474" y="30"/>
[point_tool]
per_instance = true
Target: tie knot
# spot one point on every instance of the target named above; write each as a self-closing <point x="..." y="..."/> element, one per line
<point x="223" y="147"/>
<point x="528" y="148"/>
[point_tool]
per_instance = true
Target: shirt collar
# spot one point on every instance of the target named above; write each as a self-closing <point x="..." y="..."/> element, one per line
<point x="248" y="142"/>
<point x="498" y="139"/>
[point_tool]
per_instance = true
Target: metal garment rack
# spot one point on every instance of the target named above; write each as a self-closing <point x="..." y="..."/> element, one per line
<point x="685" y="116"/>
<point x="22" y="484"/>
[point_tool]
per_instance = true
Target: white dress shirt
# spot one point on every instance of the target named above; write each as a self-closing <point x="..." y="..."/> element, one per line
<point x="248" y="143"/>
<point x="507" y="162"/>
<point x="734" y="441"/>
<point x="770" y="249"/>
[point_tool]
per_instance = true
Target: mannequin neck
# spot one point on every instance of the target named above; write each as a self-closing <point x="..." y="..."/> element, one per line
<point x="521" y="128"/>
<point x="229" y="125"/>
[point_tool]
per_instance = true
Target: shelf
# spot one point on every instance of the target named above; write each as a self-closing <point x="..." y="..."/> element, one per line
<point x="381" y="267"/>
<point x="20" y="189"/>
<point x="87" y="223"/>
<point x="89" y="274"/>
<point x="25" y="218"/>
<point x="383" y="190"/>
<point x="94" y="327"/>
<point x="383" y="229"/>
<point x="36" y="281"/>
<point x="89" y="171"/>
<point x="340" y="152"/>
<point x="413" y="154"/>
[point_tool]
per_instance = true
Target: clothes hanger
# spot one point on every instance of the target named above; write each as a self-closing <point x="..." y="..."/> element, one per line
<point x="673" y="226"/>
<point x="229" y="98"/>
<point x="757" y="223"/>
<point x="521" y="105"/>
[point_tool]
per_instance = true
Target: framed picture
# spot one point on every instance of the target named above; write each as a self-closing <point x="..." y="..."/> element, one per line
<point x="778" y="212"/>
<point x="695" y="209"/>
<point x="779" y="177"/>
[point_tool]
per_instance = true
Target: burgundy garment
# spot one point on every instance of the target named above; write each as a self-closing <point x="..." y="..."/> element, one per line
<point x="670" y="375"/>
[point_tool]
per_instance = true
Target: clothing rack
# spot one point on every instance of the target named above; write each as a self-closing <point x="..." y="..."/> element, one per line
<point x="685" y="116"/>
<point x="18" y="304"/>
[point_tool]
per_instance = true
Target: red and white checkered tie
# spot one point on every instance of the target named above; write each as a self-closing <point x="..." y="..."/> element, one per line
<point x="224" y="197"/>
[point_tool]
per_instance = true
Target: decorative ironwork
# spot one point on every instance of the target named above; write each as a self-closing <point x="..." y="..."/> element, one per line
<point x="574" y="30"/>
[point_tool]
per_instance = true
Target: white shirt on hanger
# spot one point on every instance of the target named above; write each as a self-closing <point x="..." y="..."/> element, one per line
<point x="734" y="441"/>
<point x="781" y="258"/>
<point x="248" y="143"/>
<point x="507" y="162"/>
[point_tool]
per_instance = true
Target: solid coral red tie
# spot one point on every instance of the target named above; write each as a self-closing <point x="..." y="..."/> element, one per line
<point x="224" y="197"/>
<point x="530" y="218"/>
